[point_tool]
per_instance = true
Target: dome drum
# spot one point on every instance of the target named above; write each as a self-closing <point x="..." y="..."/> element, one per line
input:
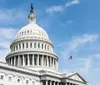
<point x="33" y="60"/>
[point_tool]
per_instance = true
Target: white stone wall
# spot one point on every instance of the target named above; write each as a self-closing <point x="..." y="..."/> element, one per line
<point x="15" y="78"/>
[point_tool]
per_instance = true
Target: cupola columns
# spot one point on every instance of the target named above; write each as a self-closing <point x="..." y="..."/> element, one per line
<point x="32" y="16"/>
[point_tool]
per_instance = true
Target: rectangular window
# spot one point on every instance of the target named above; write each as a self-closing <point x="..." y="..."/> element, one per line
<point x="30" y="45"/>
<point x="26" y="45"/>
<point x="1" y="77"/>
<point x="34" y="45"/>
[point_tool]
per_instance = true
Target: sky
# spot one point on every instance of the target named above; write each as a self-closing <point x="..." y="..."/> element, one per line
<point x="73" y="27"/>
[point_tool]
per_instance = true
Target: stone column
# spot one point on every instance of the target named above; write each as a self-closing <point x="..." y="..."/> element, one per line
<point x="18" y="63"/>
<point x="37" y="60"/>
<point x="28" y="60"/>
<point x="23" y="60"/>
<point x="41" y="83"/>
<point x="50" y="61"/>
<point x="11" y="61"/>
<point x="57" y="83"/>
<point x="50" y="82"/>
<point x="53" y="62"/>
<point x="42" y="60"/>
<point x="14" y="60"/>
<point x="47" y="62"/>
<point x="46" y="82"/>
<point x="33" y="59"/>
<point x="54" y="83"/>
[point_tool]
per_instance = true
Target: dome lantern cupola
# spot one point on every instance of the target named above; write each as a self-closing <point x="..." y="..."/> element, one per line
<point x="32" y="16"/>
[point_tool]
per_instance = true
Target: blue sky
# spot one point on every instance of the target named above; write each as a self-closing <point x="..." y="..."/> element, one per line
<point x="72" y="25"/>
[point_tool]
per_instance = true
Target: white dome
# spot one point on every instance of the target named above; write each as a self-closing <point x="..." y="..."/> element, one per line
<point x="32" y="30"/>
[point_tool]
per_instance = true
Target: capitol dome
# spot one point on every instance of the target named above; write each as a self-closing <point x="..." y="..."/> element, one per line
<point x="32" y="48"/>
<point x="32" y="30"/>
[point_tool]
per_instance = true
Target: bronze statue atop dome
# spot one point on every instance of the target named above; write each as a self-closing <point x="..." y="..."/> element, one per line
<point x="31" y="8"/>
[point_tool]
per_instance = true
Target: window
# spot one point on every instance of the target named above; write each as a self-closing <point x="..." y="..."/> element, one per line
<point x="26" y="45"/>
<point x="26" y="81"/>
<point x="30" y="45"/>
<point x="42" y="46"/>
<point x="23" y="45"/>
<point x="34" y="45"/>
<point x="16" y="47"/>
<point x="48" y="47"/>
<point x="18" y="80"/>
<point x="32" y="82"/>
<point x="45" y="47"/>
<point x="9" y="78"/>
<point x="1" y="77"/>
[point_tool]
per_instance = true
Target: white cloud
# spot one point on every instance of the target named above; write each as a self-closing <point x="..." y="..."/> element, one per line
<point x="81" y="40"/>
<point x="55" y="9"/>
<point x="8" y="32"/>
<point x="7" y="35"/>
<point x="72" y="3"/>
<point x="11" y="16"/>
<point x="60" y="8"/>
<point x="86" y="65"/>
<point x="70" y="47"/>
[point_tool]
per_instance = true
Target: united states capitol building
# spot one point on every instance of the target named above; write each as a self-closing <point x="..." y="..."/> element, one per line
<point x="32" y="60"/>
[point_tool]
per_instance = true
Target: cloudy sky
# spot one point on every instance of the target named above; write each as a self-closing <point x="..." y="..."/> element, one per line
<point x="72" y="25"/>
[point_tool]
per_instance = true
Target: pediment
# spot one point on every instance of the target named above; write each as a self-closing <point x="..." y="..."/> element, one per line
<point x="77" y="77"/>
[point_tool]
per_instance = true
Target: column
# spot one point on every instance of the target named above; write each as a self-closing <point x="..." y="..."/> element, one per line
<point x="46" y="82"/>
<point x="42" y="60"/>
<point x="47" y="62"/>
<point x="28" y="60"/>
<point x="18" y="63"/>
<point x="41" y="83"/>
<point x="11" y="60"/>
<point x="57" y="83"/>
<point x="14" y="60"/>
<point x="56" y="64"/>
<point x="37" y="60"/>
<point x="23" y="60"/>
<point x="32" y="59"/>
<point x="54" y="83"/>
<point x="53" y="62"/>
<point x="50" y="82"/>
<point x="50" y="62"/>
